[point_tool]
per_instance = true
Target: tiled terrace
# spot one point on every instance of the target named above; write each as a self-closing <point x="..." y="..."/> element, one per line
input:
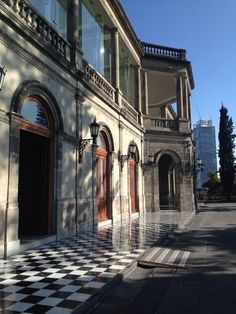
<point x="61" y="276"/>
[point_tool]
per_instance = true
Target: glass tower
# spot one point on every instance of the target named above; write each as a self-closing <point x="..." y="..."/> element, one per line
<point x="204" y="135"/>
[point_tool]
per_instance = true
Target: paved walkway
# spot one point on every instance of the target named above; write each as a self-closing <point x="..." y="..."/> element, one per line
<point x="71" y="274"/>
<point x="208" y="288"/>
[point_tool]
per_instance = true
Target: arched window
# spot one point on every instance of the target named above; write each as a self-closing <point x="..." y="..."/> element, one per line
<point x="33" y="112"/>
<point x="37" y="117"/>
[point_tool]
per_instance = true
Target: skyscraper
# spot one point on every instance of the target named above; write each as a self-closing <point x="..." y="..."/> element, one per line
<point x="204" y="134"/>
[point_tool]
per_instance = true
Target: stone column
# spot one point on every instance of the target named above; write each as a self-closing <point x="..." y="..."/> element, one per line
<point x="185" y="97"/>
<point x="138" y="103"/>
<point x="145" y="92"/>
<point x="190" y="109"/>
<point x="11" y="215"/>
<point x="179" y="95"/>
<point x="73" y="33"/>
<point x="121" y="187"/>
<point x="156" y="183"/>
<point x="115" y="61"/>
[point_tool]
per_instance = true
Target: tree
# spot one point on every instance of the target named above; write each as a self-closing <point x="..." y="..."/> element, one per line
<point x="226" y="151"/>
<point x="213" y="184"/>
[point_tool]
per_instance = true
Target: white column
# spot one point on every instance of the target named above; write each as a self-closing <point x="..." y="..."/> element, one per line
<point x="115" y="61"/>
<point x="145" y="90"/>
<point x="179" y="96"/>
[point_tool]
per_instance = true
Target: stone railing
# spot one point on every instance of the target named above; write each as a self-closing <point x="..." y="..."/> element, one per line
<point x="45" y="32"/>
<point x="128" y="109"/>
<point x="162" y="51"/>
<point x="160" y="123"/>
<point x="98" y="80"/>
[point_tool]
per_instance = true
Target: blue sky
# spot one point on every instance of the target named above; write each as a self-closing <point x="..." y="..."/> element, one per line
<point x="207" y="30"/>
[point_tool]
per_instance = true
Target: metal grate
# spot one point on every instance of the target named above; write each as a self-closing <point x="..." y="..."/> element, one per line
<point x="165" y="257"/>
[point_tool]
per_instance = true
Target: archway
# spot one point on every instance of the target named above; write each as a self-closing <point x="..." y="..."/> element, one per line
<point x="169" y="190"/>
<point x="36" y="160"/>
<point x="103" y="175"/>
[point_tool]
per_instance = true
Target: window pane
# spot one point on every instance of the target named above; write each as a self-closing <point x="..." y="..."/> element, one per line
<point x="95" y="40"/>
<point x="34" y="113"/>
<point x="101" y="142"/>
<point x="126" y="76"/>
<point x="55" y="11"/>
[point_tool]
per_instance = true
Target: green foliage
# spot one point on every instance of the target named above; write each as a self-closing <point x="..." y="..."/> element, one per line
<point x="226" y="151"/>
<point x="213" y="184"/>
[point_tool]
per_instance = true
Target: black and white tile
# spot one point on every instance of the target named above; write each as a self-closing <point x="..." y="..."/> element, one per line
<point x="60" y="276"/>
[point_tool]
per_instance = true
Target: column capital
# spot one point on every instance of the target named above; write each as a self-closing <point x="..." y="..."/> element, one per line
<point x="114" y="30"/>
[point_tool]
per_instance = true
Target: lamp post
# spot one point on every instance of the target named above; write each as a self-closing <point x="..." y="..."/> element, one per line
<point x="94" y="130"/>
<point x="2" y="76"/>
<point x="199" y="167"/>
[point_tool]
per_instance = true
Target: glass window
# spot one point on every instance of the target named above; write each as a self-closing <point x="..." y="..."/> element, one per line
<point x="95" y="40"/>
<point x="34" y="112"/>
<point x="101" y="141"/>
<point x="55" y="11"/>
<point x="126" y="77"/>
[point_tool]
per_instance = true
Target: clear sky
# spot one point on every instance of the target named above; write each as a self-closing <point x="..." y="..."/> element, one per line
<point x="207" y="30"/>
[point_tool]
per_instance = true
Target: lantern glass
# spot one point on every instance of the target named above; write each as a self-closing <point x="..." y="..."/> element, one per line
<point x="132" y="149"/>
<point x="94" y="129"/>
<point x="2" y="76"/>
<point x="151" y="159"/>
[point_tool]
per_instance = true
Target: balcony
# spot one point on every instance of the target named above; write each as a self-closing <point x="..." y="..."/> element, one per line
<point x="28" y="19"/>
<point x="97" y="79"/>
<point x="163" y="51"/>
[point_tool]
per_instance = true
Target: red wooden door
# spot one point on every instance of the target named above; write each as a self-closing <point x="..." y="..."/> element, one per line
<point x="102" y="182"/>
<point x="133" y="185"/>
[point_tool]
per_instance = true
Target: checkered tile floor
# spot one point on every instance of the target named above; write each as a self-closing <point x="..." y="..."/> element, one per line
<point x="59" y="277"/>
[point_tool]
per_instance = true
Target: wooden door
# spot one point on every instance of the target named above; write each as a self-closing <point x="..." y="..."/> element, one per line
<point x="102" y="184"/>
<point x="133" y="185"/>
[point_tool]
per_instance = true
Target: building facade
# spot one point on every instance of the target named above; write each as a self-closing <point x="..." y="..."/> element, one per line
<point x="205" y="148"/>
<point x="68" y="62"/>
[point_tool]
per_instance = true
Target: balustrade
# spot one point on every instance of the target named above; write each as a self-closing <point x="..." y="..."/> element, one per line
<point x="164" y="51"/>
<point x="129" y="110"/>
<point x="39" y="25"/>
<point x="98" y="80"/>
<point x="169" y="124"/>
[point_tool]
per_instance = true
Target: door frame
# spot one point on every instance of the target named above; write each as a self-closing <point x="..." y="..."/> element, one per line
<point x="134" y="199"/>
<point x="48" y="133"/>
<point x="103" y="154"/>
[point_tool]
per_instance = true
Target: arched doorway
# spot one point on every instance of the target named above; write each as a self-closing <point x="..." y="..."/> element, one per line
<point x="168" y="183"/>
<point x="103" y="176"/>
<point x="36" y="159"/>
<point x="133" y="185"/>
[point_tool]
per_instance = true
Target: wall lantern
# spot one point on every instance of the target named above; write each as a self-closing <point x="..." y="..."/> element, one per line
<point x="131" y="153"/>
<point x="2" y="76"/>
<point x="83" y="143"/>
<point x="149" y="163"/>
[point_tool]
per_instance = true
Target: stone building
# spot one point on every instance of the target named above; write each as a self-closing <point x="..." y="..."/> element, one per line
<point x="67" y="62"/>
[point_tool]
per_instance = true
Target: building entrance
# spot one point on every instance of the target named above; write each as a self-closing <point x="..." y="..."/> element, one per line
<point x="33" y="184"/>
<point x="35" y="189"/>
